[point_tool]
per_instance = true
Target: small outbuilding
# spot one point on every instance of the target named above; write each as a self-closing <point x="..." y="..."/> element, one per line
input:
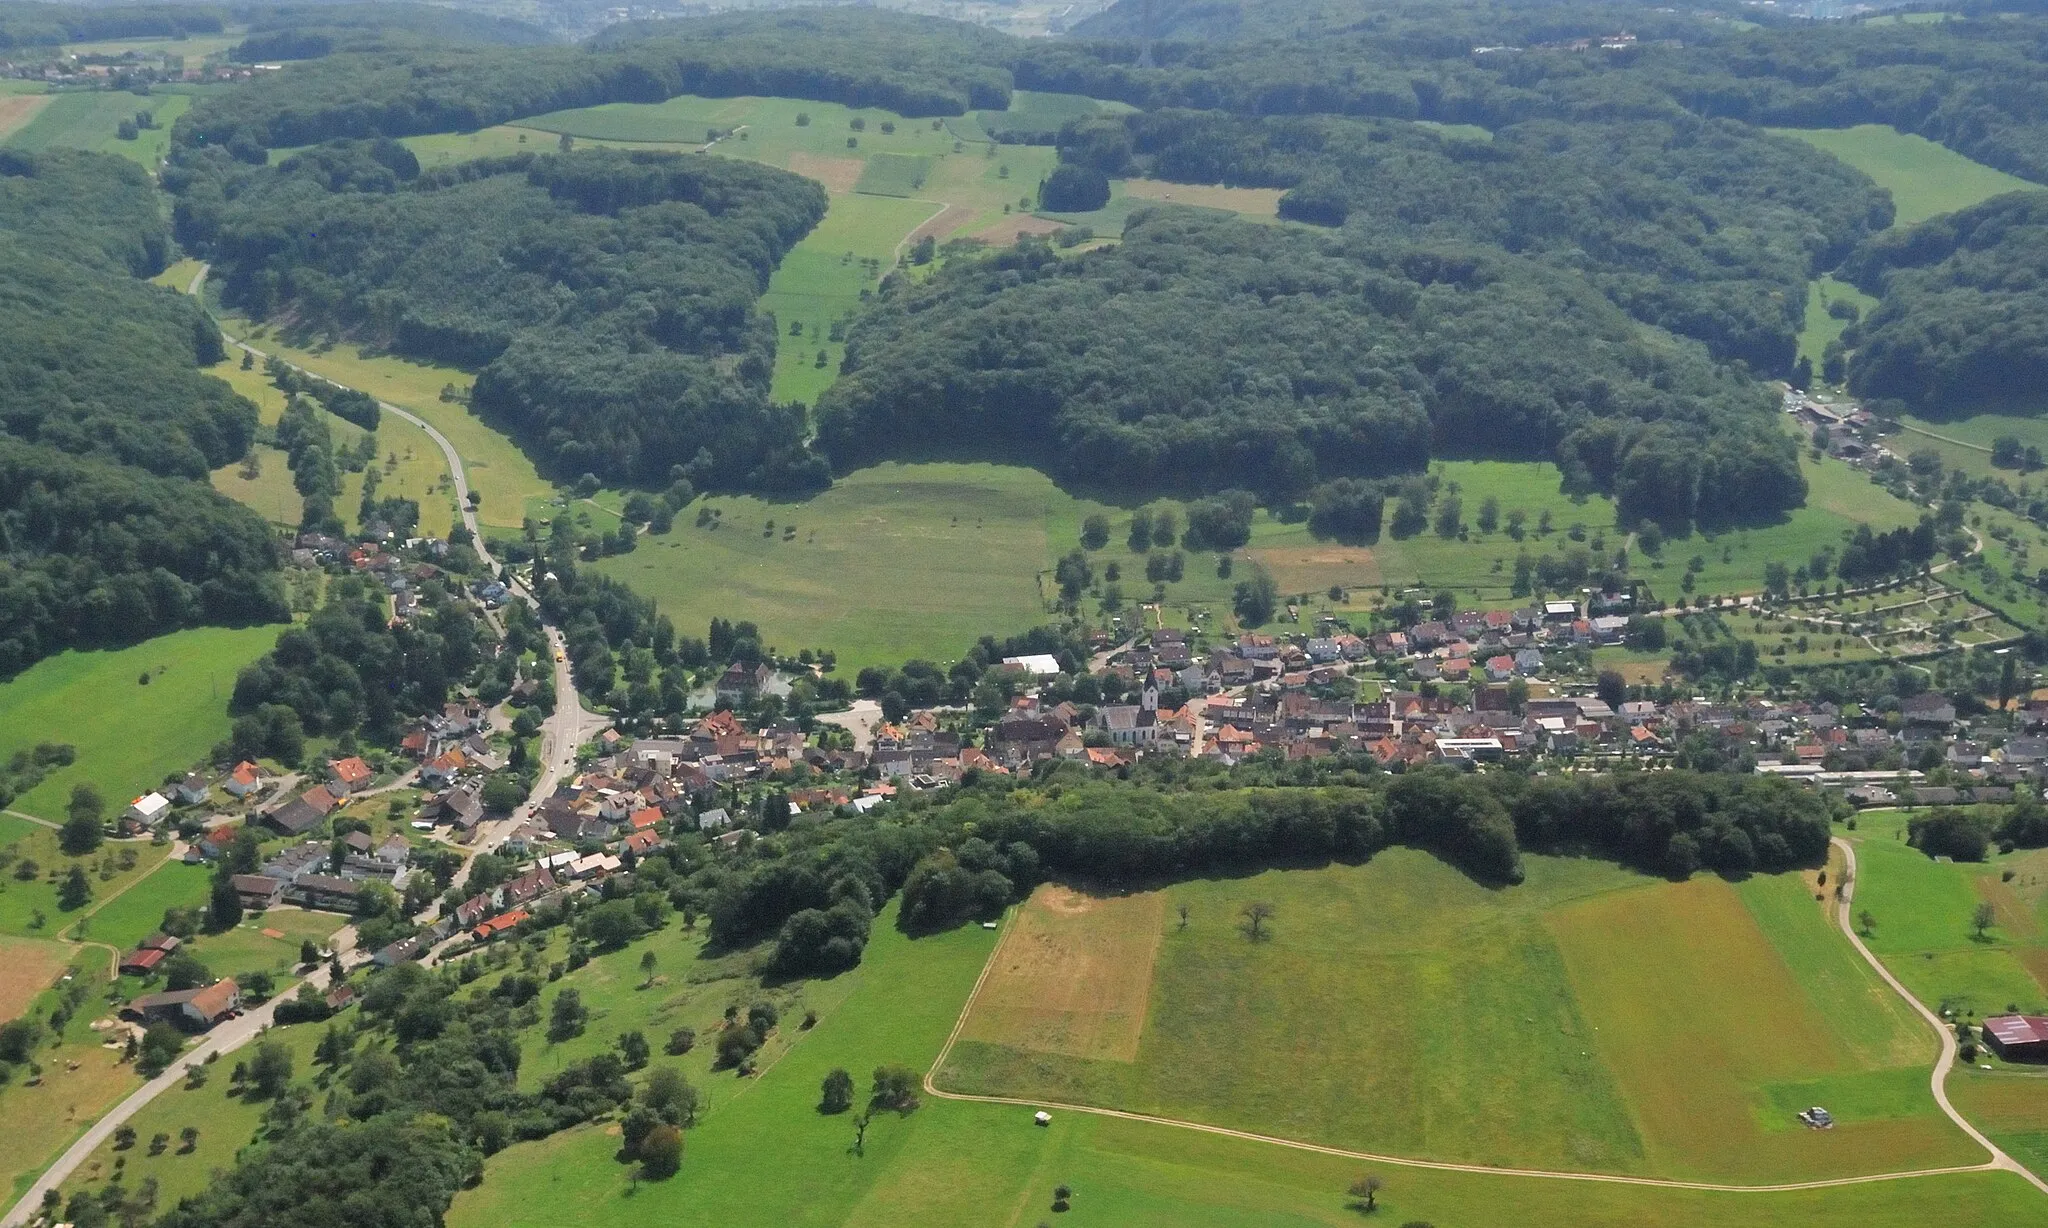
<point x="1041" y="1118"/>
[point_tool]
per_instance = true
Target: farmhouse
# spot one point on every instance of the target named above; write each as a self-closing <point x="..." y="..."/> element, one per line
<point x="148" y="808"/>
<point x="245" y="779"/>
<point x="2018" y="1038"/>
<point x="350" y="775"/>
<point x="192" y="1008"/>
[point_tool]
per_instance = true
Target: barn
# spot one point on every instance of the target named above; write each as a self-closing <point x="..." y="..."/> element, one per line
<point x="2018" y="1038"/>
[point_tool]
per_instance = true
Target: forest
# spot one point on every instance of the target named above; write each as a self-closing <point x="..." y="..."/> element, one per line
<point x="606" y="300"/>
<point x="911" y="65"/>
<point x="50" y="25"/>
<point x="1706" y="228"/>
<point x="1203" y="353"/>
<point x="1962" y="325"/>
<point x="108" y="428"/>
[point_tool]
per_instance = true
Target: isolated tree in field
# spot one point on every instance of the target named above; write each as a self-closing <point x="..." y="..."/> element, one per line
<point x="1865" y="922"/>
<point x="271" y="1069"/>
<point x="647" y="963"/>
<point x="669" y="1095"/>
<point x="860" y="1132"/>
<point x="1367" y="1191"/>
<point x="82" y="832"/>
<point x="188" y="1138"/>
<point x="895" y="1088"/>
<point x="835" y="1095"/>
<point x="661" y="1153"/>
<point x="634" y="1049"/>
<point x="1095" y="531"/>
<point x="566" y="1017"/>
<point x="1255" y="915"/>
<point x="1983" y="918"/>
<point x="76" y="892"/>
<point x="1182" y="909"/>
<point x="124" y="1138"/>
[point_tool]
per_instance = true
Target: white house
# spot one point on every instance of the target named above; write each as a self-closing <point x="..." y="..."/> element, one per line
<point x="148" y="808"/>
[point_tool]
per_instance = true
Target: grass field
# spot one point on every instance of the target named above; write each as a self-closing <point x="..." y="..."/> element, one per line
<point x="28" y="966"/>
<point x="2011" y="1107"/>
<point x="1073" y="976"/>
<point x="226" y="1122"/>
<point x="1253" y="202"/>
<point x="18" y="110"/>
<point x="893" y="174"/>
<point x="1923" y="177"/>
<point x="496" y="467"/>
<point x="1921" y="912"/>
<point x="1031" y="111"/>
<point x="129" y="736"/>
<point x="269" y="492"/>
<point x="1822" y="328"/>
<point x="765" y="1156"/>
<point x="903" y="560"/>
<point x="114" y="867"/>
<point x="139" y="911"/>
<point x="88" y="119"/>
<point x="1400" y="1007"/>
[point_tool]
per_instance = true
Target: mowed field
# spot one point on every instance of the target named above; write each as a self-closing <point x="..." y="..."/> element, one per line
<point x="28" y="966"/>
<point x="763" y="1156"/>
<point x="1399" y="1008"/>
<point x="17" y="110"/>
<point x="128" y="736"/>
<point x="920" y="560"/>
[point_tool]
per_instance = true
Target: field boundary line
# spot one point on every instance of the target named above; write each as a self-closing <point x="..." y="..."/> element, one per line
<point x="932" y="1088"/>
<point x="1845" y="894"/>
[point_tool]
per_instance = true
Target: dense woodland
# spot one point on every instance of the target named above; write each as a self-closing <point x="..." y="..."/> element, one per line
<point x="50" y="25"/>
<point x="606" y="300"/>
<point x="915" y="66"/>
<point x="1707" y="228"/>
<point x="1963" y="321"/>
<point x="108" y="531"/>
<point x="1206" y="353"/>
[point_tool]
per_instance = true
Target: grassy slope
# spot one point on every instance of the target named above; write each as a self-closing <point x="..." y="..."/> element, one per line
<point x="129" y="737"/>
<point x="1921" y="909"/>
<point x="87" y="120"/>
<point x="1923" y="177"/>
<point x="1401" y="1008"/>
<point x="765" y="1157"/>
<point x="495" y="465"/>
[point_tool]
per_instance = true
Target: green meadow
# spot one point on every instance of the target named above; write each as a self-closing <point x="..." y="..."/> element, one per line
<point x="129" y="735"/>
<point x="1399" y="1007"/>
<point x="1920" y="912"/>
<point x="1923" y="177"/>
<point x="87" y="119"/>
<point x="763" y="1155"/>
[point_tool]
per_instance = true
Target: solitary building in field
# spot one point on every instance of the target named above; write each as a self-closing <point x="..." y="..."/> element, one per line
<point x="2018" y="1038"/>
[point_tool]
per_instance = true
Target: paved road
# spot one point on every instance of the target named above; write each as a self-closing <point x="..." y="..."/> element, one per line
<point x="1845" y="895"/>
<point x="225" y="1038"/>
<point x="1999" y="1160"/>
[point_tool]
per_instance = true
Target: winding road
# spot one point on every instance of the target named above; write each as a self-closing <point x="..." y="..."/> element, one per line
<point x="1999" y="1160"/>
<point x="566" y="728"/>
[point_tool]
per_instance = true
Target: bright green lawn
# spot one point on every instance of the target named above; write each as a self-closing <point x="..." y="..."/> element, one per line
<point x="246" y="948"/>
<point x="270" y="493"/>
<point x="1032" y="111"/>
<point x="139" y="911"/>
<point x="114" y="867"/>
<point x="129" y="737"/>
<point x="1923" y="177"/>
<point x="820" y="280"/>
<point x="1822" y="328"/>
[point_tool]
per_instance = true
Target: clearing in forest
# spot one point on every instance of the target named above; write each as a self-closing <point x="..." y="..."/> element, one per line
<point x="1254" y="202"/>
<point x="1073" y="975"/>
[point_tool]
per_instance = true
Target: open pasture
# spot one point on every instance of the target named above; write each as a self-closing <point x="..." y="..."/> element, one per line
<point x="1920" y="921"/>
<point x="497" y="469"/>
<point x="28" y="906"/>
<point x="894" y="174"/>
<point x="1252" y="202"/>
<point x="88" y="119"/>
<point x="1400" y="1008"/>
<point x="764" y="1155"/>
<point x="129" y="736"/>
<point x="1923" y="177"/>
<point x="1073" y="976"/>
<point x="18" y="110"/>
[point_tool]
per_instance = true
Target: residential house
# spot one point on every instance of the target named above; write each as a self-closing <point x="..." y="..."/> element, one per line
<point x="742" y="682"/>
<point x="257" y="891"/>
<point x="325" y="892"/>
<point x="713" y="820"/>
<point x="1928" y="708"/>
<point x="243" y="779"/>
<point x="148" y="808"/>
<point x="193" y="789"/>
<point x="350" y="775"/>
